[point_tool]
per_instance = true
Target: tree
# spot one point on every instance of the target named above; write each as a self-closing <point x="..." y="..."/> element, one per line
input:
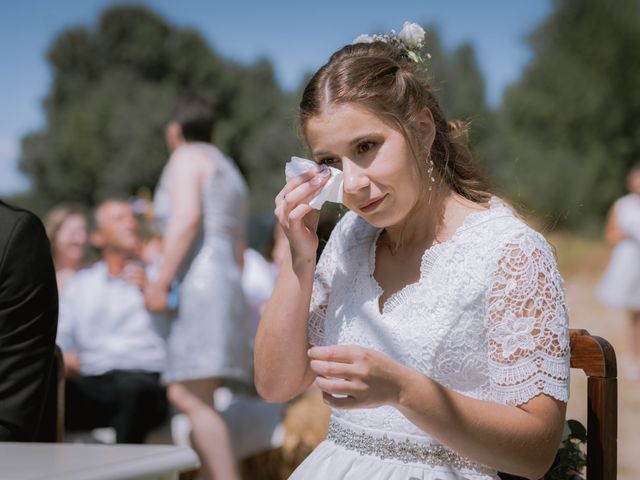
<point x="112" y="93"/>
<point x="571" y="125"/>
<point x="114" y="86"/>
<point x="459" y="86"/>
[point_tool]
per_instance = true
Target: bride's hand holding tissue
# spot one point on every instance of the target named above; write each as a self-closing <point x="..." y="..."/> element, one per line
<point x="287" y="336"/>
<point x="296" y="210"/>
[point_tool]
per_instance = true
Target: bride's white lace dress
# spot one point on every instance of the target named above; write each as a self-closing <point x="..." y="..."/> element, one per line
<point x="487" y="319"/>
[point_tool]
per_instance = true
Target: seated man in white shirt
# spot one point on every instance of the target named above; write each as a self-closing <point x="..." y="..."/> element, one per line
<point x="113" y="347"/>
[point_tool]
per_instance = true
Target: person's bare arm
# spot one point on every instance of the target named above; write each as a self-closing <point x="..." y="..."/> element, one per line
<point x="282" y="366"/>
<point x="71" y="364"/>
<point x="184" y="187"/>
<point x="613" y="234"/>
<point x="281" y="362"/>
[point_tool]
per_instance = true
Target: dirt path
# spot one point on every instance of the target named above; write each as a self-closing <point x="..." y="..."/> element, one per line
<point x="586" y="312"/>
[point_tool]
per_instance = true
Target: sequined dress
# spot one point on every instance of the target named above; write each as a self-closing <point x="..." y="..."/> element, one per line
<point x="211" y="334"/>
<point x="487" y="319"/>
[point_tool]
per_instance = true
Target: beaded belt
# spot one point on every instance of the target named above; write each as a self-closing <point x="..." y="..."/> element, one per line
<point x="405" y="450"/>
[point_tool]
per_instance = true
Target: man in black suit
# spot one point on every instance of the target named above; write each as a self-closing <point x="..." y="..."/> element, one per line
<point x="28" y="322"/>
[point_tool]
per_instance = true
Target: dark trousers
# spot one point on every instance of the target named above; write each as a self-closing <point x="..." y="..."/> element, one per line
<point x="132" y="402"/>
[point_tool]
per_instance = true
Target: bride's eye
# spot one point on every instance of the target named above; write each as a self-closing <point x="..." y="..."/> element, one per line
<point x="330" y="162"/>
<point x="364" y="147"/>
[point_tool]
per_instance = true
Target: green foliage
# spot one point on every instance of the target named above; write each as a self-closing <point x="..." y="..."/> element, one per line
<point x="560" y="145"/>
<point x="114" y="86"/>
<point x="570" y="460"/>
<point x="113" y="90"/>
<point x="570" y="128"/>
<point x="459" y="86"/>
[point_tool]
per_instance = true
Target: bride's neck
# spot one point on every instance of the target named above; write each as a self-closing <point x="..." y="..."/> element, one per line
<point x="420" y="228"/>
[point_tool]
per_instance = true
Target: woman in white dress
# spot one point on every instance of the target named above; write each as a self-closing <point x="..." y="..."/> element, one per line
<point x="436" y="317"/>
<point x="200" y="207"/>
<point x="620" y="283"/>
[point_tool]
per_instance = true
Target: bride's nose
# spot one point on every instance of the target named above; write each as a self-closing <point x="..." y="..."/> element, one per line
<point x="354" y="177"/>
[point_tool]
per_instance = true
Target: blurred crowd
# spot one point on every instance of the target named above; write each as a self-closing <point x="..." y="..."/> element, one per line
<point x="114" y="348"/>
<point x="160" y="296"/>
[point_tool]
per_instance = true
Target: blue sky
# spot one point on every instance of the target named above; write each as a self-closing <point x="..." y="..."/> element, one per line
<point x="296" y="36"/>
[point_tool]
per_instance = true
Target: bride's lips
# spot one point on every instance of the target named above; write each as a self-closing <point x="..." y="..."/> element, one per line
<point x="371" y="205"/>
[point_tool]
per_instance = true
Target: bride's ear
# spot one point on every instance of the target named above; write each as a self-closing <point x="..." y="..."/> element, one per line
<point x="427" y="126"/>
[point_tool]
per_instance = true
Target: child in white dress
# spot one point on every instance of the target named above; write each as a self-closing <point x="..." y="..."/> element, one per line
<point x="436" y="318"/>
<point x="620" y="283"/>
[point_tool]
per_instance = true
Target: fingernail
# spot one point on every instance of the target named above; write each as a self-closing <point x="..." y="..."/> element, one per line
<point x="316" y="180"/>
<point x="325" y="172"/>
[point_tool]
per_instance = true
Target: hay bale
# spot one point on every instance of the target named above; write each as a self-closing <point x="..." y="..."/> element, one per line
<point x="305" y="424"/>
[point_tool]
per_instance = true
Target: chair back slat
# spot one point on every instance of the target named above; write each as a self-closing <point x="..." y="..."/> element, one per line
<point x="597" y="358"/>
<point x="602" y="428"/>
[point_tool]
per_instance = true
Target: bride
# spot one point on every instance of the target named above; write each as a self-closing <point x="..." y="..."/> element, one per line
<point x="435" y="321"/>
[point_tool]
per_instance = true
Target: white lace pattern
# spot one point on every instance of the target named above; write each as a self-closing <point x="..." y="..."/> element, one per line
<point x="487" y="319"/>
<point x="527" y="323"/>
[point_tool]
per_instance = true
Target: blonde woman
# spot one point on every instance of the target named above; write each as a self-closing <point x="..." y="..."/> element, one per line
<point x="67" y="228"/>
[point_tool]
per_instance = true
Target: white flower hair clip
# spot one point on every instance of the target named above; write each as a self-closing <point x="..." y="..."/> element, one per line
<point x="410" y="41"/>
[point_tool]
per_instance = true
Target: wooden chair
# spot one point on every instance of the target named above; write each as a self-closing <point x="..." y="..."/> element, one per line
<point x="596" y="357"/>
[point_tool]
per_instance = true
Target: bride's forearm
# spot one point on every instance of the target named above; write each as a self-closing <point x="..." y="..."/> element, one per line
<point x="281" y="362"/>
<point x="520" y="441"/>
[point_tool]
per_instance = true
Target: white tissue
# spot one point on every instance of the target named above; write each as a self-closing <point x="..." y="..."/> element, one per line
<point x="332" y="190"/>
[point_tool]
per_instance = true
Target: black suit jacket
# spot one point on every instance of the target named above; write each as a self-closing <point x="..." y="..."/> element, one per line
<point x="28" y="322"/>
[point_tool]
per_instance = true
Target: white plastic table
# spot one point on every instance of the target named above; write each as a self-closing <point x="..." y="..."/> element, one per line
<point x="66" y="461"/>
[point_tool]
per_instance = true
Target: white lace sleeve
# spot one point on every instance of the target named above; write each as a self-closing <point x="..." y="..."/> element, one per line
<point x="528" y="324"/>
<point x="322" y="288"/>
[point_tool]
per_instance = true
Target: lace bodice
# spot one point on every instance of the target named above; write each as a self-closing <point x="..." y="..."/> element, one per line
<point x="487" y="318"/>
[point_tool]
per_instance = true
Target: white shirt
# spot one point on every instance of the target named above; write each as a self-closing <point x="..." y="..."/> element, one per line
<point x="103" y="319"/>
<point x="258" y="281"/>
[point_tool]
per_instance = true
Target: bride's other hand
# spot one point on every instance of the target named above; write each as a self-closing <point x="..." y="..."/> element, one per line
<point x="351" y="376"/>
<point x="299" y="221"/>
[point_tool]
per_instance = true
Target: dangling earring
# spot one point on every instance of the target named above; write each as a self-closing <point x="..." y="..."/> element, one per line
<point x="430" y="167"/>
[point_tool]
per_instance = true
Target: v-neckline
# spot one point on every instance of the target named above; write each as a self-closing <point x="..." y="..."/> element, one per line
<point x="427" y="260"/>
